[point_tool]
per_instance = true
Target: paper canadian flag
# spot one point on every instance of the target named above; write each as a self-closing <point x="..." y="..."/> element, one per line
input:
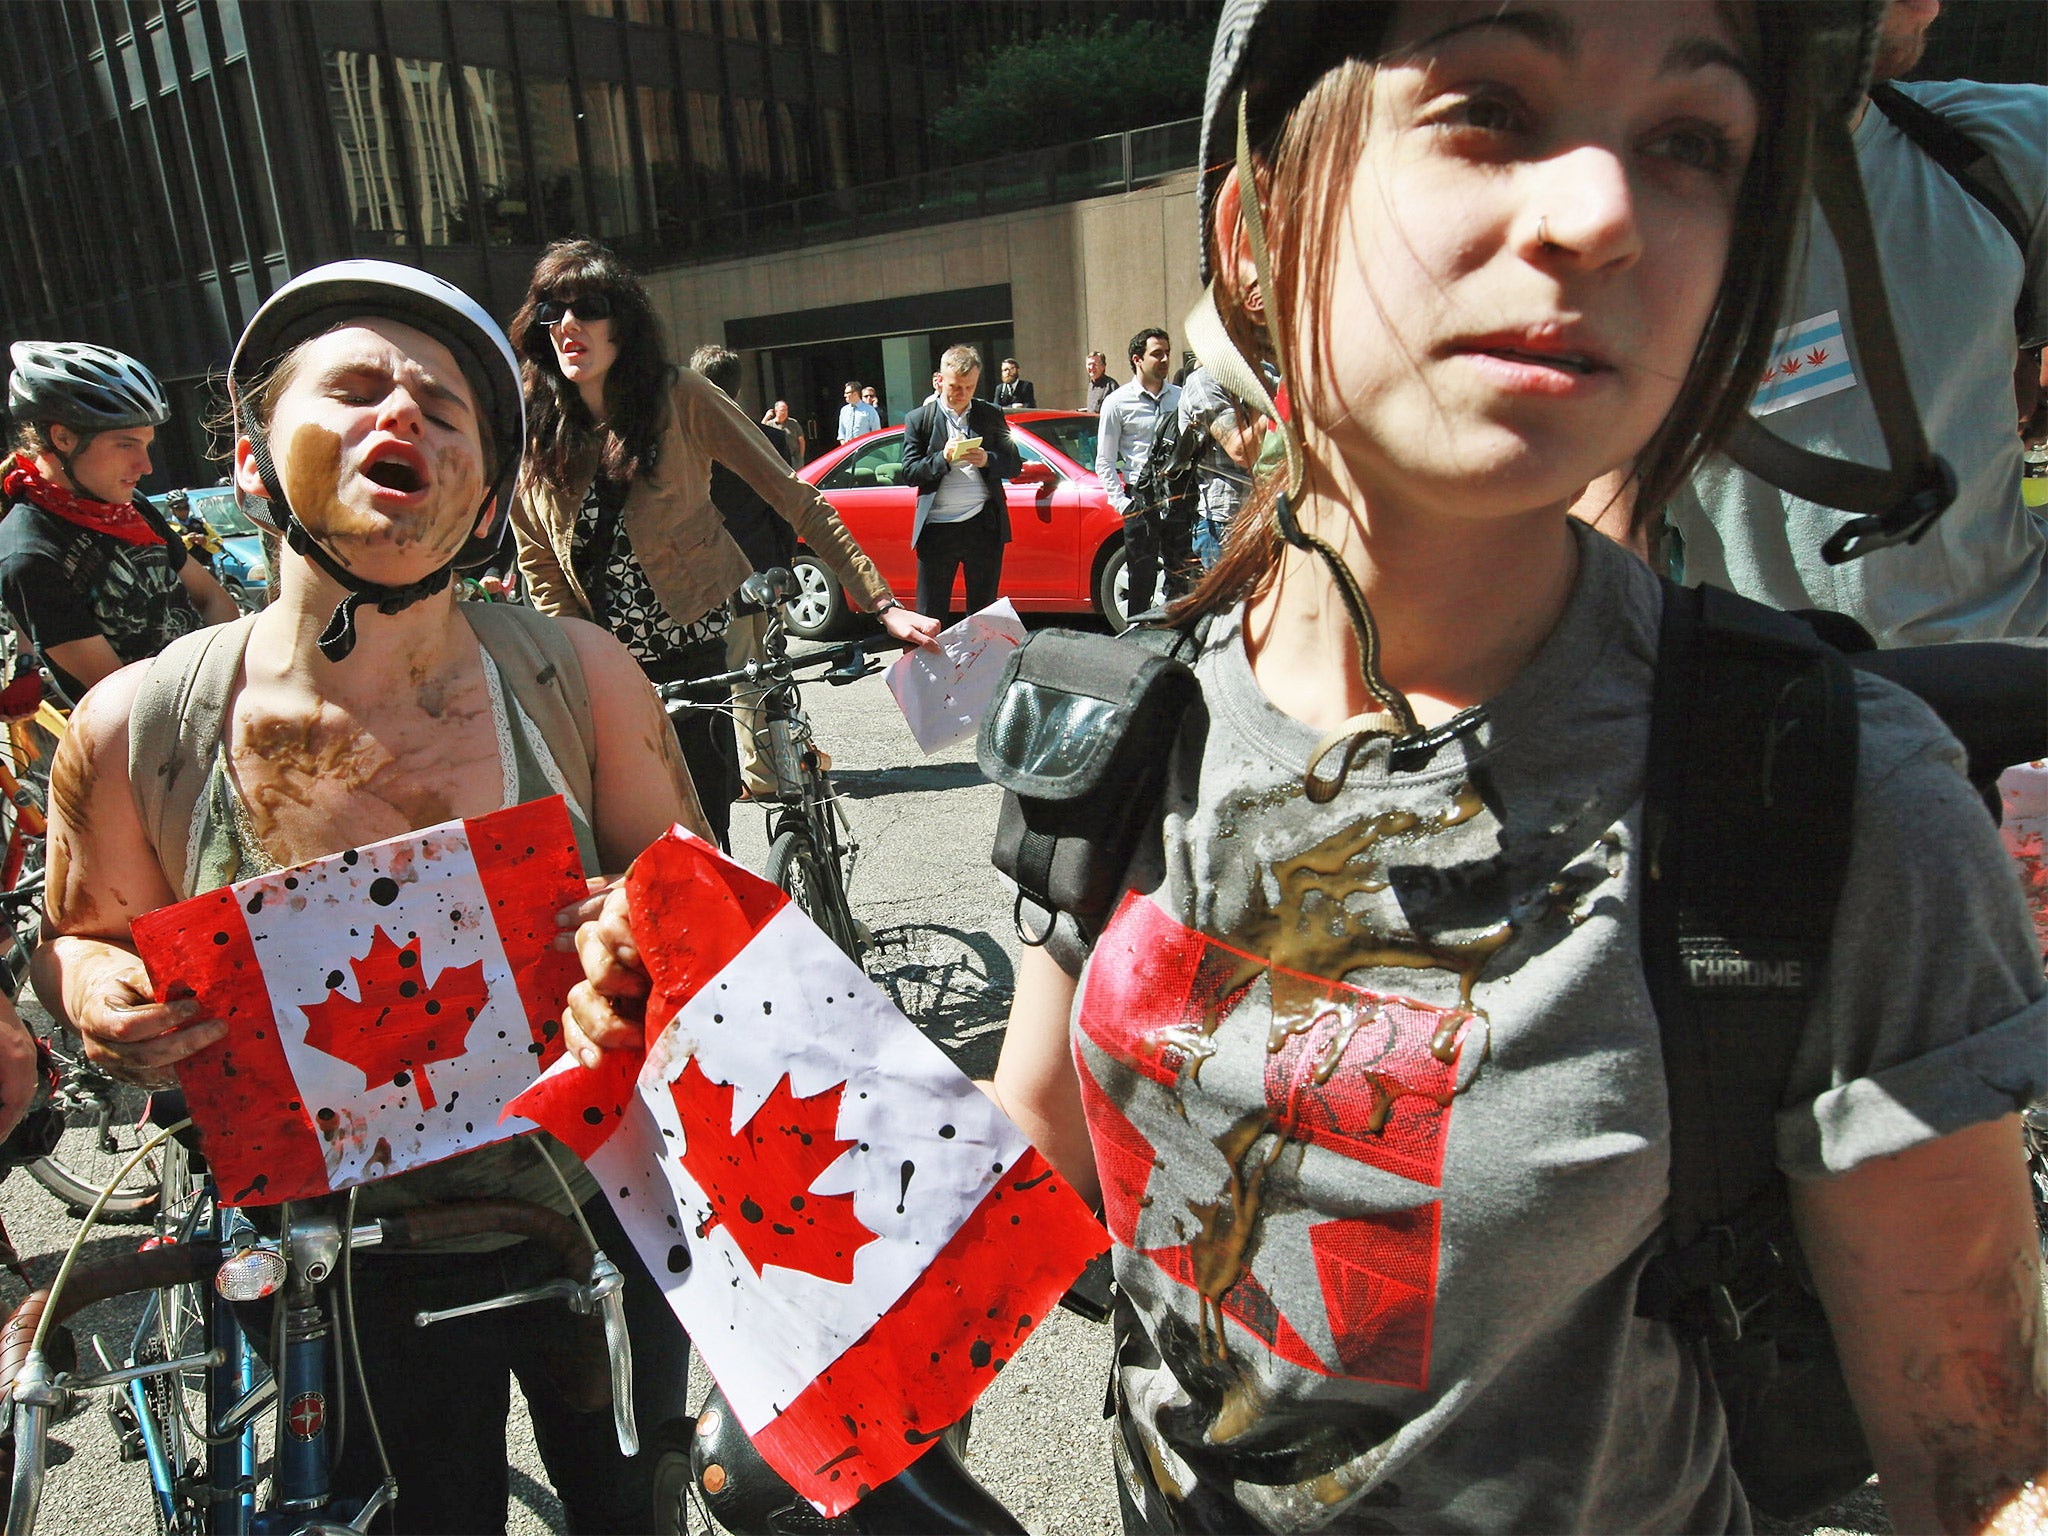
<point x="853" y="1235"/>
<point x="383" y="1005"/>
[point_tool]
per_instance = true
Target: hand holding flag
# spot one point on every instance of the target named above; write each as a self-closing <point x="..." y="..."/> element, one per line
<point x="854" y="1236"/>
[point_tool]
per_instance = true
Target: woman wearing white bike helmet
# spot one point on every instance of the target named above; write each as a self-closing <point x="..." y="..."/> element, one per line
<point x="378" y="424"/>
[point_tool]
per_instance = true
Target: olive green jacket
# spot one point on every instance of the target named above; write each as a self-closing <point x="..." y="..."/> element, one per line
<point x="692" y="563"/>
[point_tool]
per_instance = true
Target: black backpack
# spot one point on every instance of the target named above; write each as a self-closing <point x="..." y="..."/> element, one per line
<point x="1167" y="489"/>
<point x="1749" y="798"/>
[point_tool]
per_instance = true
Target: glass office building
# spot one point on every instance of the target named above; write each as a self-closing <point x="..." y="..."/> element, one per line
<point x="164" y="164"/>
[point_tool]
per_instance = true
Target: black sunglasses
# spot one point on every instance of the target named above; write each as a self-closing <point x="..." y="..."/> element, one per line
<point x="592" y="306"/>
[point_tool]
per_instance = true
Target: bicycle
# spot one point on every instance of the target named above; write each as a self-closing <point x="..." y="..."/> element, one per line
<point x="194" y="1384"/>
<point x="811" y="847"/>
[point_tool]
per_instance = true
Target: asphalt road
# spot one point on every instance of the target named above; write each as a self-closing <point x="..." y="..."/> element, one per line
<point x="947" y="955"/>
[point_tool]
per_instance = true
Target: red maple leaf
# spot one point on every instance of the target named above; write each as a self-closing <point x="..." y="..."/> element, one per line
<point x="759" y="1177"/>
<point x="400" y="1025"/>
<point x="1817" y="356"/>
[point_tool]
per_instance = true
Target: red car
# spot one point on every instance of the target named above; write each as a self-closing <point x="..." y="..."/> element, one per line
<point x="1066" y="552"/>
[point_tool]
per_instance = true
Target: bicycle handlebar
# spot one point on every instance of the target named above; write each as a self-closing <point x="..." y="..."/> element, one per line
<point x="704" y="690"/>
<point x="152" y="1269"/>
<point x="477" y="1218"/>
<point x="26" y="1380"/>
<point x="37" y="1392"/>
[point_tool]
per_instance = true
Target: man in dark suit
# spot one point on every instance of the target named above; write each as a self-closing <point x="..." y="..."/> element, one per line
<point x="963" y="518"/>
<point x="1014" y="393"/>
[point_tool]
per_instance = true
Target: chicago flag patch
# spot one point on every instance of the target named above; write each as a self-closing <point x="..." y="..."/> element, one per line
<point x="1808" y="360"/>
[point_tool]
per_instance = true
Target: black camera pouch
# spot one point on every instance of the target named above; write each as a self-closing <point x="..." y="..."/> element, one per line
<point x="1078" y="737"/>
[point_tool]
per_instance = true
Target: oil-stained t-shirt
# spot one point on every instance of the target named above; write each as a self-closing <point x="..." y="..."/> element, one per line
<point x="1378" y="1101"/>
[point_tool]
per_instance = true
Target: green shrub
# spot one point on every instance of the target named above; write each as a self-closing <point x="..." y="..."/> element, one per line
<point x="1111" y="77"/>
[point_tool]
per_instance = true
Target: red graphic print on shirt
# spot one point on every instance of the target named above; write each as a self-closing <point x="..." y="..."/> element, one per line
<point x="1365" y="1075"/>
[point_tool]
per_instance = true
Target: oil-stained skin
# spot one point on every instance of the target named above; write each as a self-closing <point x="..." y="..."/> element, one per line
<point x="1991" y="1459"/>
<point x="312" y="475"/>
<point x="315" y="781"/>
<point x="74" y="777"/>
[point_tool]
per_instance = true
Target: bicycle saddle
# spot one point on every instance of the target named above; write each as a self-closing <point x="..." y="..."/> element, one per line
<point x="769" y="589"/>
<point x="935" y="1493"/>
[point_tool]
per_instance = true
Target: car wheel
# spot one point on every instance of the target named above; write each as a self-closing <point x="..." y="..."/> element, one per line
<point x="1113" y="590"/>
<point x="818" y="611"/>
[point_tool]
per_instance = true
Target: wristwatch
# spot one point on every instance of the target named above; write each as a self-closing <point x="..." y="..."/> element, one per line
<point x="885" y="605"/>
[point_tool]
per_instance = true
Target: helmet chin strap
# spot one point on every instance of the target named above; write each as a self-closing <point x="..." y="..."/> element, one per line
<point x="1394" y="717"/>
<point x="338" y="639"/>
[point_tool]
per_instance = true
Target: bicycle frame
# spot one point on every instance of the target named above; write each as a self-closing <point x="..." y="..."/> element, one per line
<point x="230" y="1495"/>
<point x="307" y="1253"/>
<point x="807" y="802"/>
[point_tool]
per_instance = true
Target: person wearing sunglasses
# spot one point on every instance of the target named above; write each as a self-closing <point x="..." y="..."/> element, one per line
<point x="604" y="535"/>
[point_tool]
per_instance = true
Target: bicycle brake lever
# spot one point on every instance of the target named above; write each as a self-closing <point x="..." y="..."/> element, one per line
<point x="36" y="1401"/>
<point x="857" y="665"/>
<point x="553" y="1290"/>
<point x="606" y="1294"/>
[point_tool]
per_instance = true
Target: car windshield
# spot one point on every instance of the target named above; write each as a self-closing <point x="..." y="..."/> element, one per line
<point x="217" y="509"/>
<point x="1072" y="435"/>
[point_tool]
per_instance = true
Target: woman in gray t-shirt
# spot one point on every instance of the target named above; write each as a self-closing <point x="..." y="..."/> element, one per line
<point x="1365" y="1074"/>
<point x="1368" y="1081"/>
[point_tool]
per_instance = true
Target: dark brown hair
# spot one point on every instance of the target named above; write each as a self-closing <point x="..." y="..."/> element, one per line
<point x="559" y="428"/>
<point x="720" y="365"/>
<point x="1302" y="177"/>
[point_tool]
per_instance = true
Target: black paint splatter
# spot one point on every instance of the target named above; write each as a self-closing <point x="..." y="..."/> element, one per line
<point x="383" y="890"/>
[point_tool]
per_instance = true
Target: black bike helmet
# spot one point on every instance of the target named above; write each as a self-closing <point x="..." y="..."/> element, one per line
<point x="327" y="296"/>
<point x="1268" y="53"/>
<point x="86" y="388"/>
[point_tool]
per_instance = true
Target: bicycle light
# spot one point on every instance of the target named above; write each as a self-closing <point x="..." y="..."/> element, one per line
<point x="250" y="1274"/>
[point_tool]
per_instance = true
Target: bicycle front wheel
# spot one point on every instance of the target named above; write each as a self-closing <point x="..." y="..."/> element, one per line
<point x="103" y="1126"/>
<point x="796" y="865"/>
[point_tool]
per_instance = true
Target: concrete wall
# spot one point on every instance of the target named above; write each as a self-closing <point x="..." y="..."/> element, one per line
<point x="1083" y="276"/>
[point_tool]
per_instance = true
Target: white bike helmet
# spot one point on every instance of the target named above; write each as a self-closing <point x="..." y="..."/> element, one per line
<point x="326" y="296"/>
<point x="86" y="388"/>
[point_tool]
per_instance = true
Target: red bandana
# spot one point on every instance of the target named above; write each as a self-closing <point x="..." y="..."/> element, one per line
<point x="23" y="482"/>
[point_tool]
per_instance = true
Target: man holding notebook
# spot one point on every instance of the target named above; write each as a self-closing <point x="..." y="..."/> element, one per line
<point x="957" y="451"/>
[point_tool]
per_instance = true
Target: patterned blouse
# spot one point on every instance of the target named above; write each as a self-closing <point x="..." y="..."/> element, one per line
<point x="620" y="594"/>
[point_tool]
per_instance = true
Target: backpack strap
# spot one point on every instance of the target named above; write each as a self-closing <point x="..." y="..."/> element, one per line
<point x="538" y="662"/>
<point x="1748" y="816"/>
<point x="1968" y="162"/>
<point x="1747" y="820"/>
<point x="174" y="730"/>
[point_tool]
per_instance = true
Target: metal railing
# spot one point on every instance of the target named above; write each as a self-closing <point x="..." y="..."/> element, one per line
<point x="1037" y="178"/>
